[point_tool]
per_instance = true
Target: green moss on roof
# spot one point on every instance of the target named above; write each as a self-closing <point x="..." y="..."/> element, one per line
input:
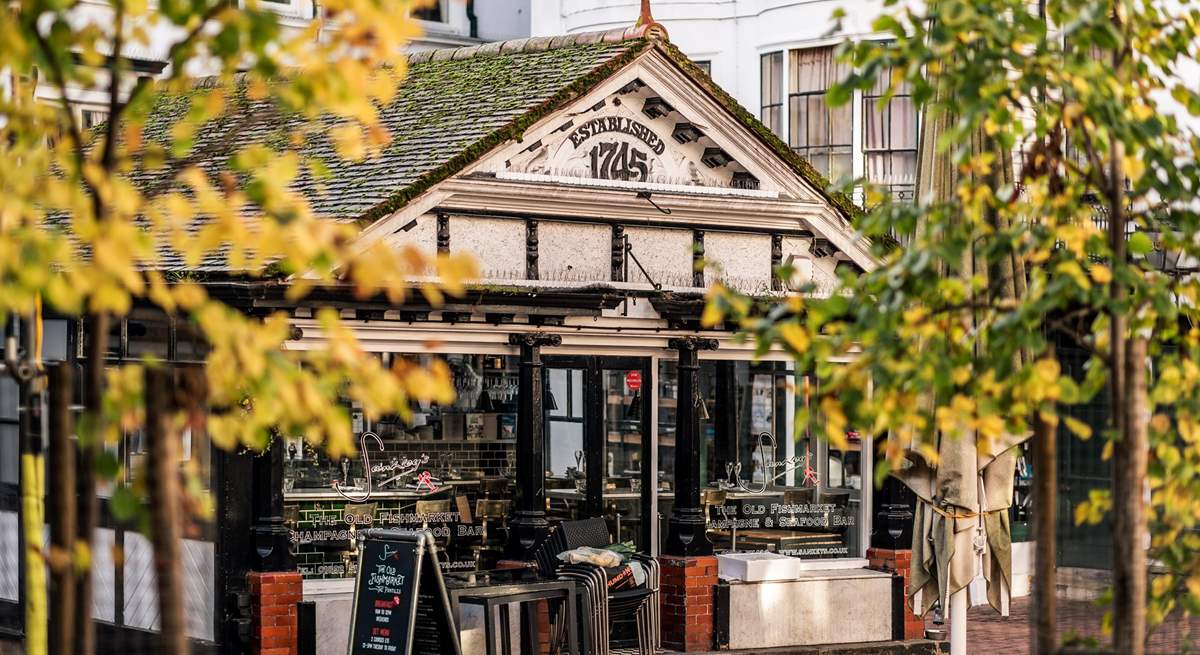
<point x="453" y="107"/>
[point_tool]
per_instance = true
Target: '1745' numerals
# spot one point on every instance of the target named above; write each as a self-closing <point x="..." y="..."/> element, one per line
<point x="618" y="161"/>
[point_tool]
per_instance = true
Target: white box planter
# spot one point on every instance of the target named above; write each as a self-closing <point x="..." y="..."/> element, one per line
<point x="756" y="567"/>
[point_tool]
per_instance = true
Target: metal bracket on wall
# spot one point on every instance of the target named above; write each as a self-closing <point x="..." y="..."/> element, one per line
<point x="629" y="252"/>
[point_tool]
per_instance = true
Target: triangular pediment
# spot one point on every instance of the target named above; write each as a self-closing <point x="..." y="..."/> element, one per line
<point x="651" y="140"/>
<point x="632" y="135"/>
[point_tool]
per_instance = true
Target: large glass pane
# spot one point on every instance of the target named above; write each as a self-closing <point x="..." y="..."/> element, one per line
<point x="763" y="485"/>
<point x="624" y="411"/>
<point x="566" y="453"/>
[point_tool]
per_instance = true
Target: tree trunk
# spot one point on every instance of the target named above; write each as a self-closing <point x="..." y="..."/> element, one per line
<point x="166" y="518"/>
<point x="1129" y="515"/>
<point x="1045" y="518"/>
<point x="62" y="500"/>
<point x="89" y="448"/>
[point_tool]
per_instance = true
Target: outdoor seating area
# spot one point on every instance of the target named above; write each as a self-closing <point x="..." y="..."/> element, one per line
<point x="588" y="608"/>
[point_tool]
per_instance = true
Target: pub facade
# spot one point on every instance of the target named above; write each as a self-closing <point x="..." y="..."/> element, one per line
<point x="585" y="385"/>
<point x="590" y="176"/>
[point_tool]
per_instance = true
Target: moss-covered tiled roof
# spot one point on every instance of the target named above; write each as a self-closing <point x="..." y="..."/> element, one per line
<point x="453" y="107"/>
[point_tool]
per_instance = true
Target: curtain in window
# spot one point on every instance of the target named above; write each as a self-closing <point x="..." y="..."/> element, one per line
<point x="890" y="138"/>
<point x="822" y="134"/>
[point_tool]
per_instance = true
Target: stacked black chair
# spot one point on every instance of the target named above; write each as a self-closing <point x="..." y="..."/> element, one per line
<point x="599" y="607"/>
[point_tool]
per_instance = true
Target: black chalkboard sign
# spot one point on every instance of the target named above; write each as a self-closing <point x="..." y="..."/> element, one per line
<point x="400" y="601"/>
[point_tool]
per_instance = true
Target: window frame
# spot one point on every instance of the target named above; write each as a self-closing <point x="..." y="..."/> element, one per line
<point x="777" y="96"/>
<point x="829" y="149"/>
<point x="869" y="102"/>
<point x="443" y="11"/>
<point x="856" y="148"/>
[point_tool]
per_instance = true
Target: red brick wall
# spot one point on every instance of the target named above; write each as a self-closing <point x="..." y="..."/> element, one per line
<point x="687" y="592"/>
<point x="273" y="617"/>
<point x="898" y="561"/>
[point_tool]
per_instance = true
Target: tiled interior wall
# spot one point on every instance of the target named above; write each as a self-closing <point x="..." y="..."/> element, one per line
<point x="489" y="458"/>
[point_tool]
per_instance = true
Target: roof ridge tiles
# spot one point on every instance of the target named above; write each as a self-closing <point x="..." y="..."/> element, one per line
<point x="540" y="43"/>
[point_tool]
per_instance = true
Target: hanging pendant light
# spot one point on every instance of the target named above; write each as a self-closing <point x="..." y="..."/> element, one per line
<point x="702" y="408"/>
<point x="633" y="411"/>
<point x="485" y="404"/>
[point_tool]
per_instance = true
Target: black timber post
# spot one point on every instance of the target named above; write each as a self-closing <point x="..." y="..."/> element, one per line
<point x="528" y="526"/>
<point x="271" y="539"/>
<point x="776" y="261"/>
<point x="531" y="249"/>
<point x="618" y="253"/>
<point x="697" y="258"/>
<point x="686" y="531"/>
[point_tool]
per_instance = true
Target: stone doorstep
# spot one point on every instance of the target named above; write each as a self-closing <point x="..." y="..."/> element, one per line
<point x="911" y="647"/>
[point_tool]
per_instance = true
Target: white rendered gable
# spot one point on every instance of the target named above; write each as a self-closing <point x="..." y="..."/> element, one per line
<point x="648" y="137"/>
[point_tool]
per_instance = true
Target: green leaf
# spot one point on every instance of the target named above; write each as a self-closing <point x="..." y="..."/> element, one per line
<point x="107" y="466"/>
<point x="1140" y="244"/>
<point x="125" y="505"/>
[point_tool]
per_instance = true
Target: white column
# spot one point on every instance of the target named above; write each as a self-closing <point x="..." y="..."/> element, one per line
<point x="958" y="622"/>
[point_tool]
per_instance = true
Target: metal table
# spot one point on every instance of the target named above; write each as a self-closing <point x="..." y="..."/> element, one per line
<point x="477" y="589"/>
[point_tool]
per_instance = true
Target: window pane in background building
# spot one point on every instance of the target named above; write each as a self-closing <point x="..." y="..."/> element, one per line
<point x="90" y="118"/>
<point x="430" y="12"/>
<point x="890" y="138"/>
<point x="10" y="458"/>
<point x="771" y="91"/>
<point x="821" y="134"/>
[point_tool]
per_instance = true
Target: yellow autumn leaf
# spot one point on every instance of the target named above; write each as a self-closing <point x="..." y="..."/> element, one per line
<point x="1073" y="270"/>
<point x="1078" y="427"/>
<point x="795" y="336"/>
<point x="712" y="315"/>
<point x="1135" y="167"/>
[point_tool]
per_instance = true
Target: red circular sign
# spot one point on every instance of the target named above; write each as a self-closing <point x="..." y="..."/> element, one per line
<point x="633" y="380"/>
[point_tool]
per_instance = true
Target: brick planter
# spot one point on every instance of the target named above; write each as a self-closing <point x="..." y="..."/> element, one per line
<point x="899" y="561"/>
<point x="273" y="619"/>
<point x="687" y="589"/>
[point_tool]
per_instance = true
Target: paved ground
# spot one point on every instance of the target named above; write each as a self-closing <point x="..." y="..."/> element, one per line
<point x="988" y="632"/>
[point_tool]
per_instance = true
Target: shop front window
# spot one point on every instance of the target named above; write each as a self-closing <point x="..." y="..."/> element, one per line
<point x="448" y="469"/>
<point x="766" y="486"/>
<point x="597" y="437"/>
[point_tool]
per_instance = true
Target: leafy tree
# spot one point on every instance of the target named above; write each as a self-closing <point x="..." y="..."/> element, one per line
<point x="84" y="231"/>
<point x="1087" y="96"/>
